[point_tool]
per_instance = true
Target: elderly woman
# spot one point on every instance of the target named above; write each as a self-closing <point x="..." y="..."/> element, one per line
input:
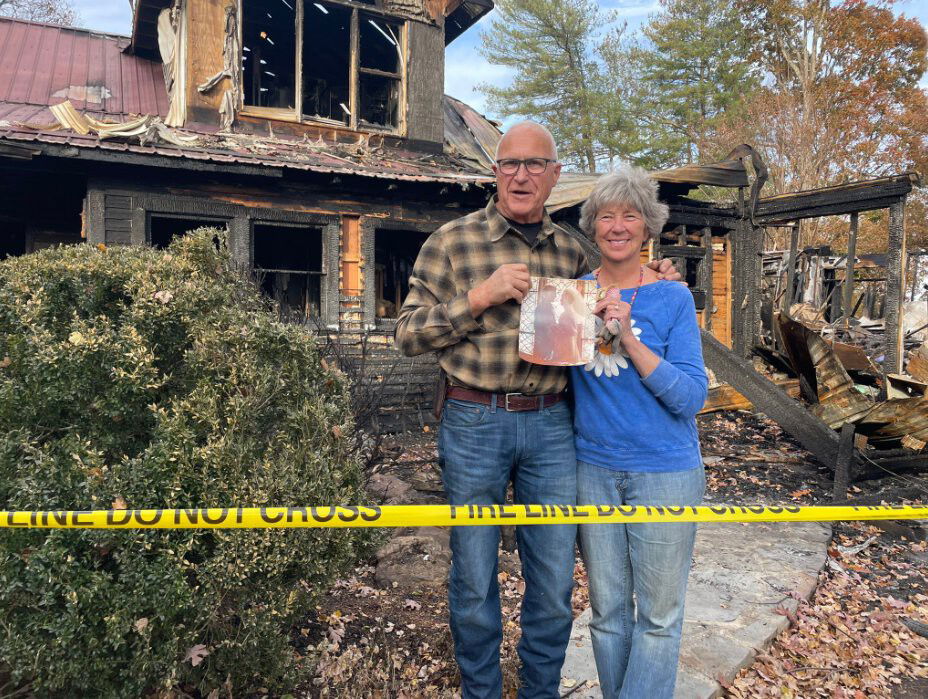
<point x="636" y="440"/>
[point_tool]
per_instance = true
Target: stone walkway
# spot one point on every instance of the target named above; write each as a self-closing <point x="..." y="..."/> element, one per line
<point x="741" y="574"/>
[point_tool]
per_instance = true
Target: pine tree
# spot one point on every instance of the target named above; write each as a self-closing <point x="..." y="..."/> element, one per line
<point x="697" y="67"/>
<point x="549" y="43"/>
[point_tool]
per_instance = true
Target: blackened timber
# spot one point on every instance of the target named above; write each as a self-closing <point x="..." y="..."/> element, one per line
<point x="835" y="210"/>
<point x="683" y="215"/>
<point x="791" y="269"/>
<point x="895" y="289"/>
<point x="683" y="251"/>
<point x="843" y="463"/>
<point x="745" y="312"/>
<point x="768" y="398"/>
<point x="849" y="267"/>
<point x="841" y="199"/>
<point x="424" y="84"/>
<point x="705" y="272"/>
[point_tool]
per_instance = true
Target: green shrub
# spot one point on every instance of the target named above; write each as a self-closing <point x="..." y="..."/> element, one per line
<point x="133" y="377"/>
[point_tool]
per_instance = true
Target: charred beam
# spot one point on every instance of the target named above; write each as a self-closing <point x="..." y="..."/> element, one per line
<point x="895" y="289"/>
<point x="766" y="397"/>
<point x="849" y="268"/>
<point x="842" y="199"/>
<point x="791" y="269"/>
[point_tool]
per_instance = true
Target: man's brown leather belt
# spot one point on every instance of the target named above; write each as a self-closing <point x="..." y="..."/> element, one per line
<point x="513" y="402"/>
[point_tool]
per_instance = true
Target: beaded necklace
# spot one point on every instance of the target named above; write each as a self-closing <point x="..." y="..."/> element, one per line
<point x="614" y="292"/>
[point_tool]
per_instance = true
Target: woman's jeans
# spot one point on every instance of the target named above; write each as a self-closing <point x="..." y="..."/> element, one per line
<point x="482" y="448"/>
<point x="636" y="654"/>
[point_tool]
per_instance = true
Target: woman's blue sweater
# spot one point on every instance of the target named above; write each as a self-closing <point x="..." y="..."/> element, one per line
<point x="629" y="423"/>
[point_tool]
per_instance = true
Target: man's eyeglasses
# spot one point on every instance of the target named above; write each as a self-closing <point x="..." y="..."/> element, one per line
<point x="534" y="166"/>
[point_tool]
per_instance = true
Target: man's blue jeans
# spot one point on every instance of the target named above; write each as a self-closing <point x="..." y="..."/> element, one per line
<point x="636" y="656"/>
<point x="481" y="448"/>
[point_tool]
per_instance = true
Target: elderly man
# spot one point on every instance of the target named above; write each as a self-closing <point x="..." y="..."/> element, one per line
<point x="504" y="419"/>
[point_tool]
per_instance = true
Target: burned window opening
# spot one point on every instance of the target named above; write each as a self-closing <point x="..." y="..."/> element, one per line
<point x="379" y="45"/>
<point x="163" y="229"/>
<point x="347" y="64"/>
<point x="395" y="253"/>
<point x="269" y="53"/>
<point x="327" y="62"/>
<point x="380" y="100"/>
<point x="379" y="72"/>
<point x="12" y="240"/>
<point x="16" y="240"/>
<point x="288" y="267"/>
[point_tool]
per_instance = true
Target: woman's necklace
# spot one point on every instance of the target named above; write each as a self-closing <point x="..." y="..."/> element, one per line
<point x="614" y="291"/>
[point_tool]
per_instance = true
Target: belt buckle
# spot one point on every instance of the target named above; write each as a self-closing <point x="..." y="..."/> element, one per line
<point x="506" y="401"/>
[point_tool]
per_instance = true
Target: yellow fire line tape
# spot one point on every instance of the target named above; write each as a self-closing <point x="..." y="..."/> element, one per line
<point x="441" y="516"/>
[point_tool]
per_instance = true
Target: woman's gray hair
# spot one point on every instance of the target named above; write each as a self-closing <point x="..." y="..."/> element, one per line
<point x="633" y="187"/>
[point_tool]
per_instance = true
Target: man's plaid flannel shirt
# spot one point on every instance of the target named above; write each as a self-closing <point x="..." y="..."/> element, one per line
<point x="482" y="353"/>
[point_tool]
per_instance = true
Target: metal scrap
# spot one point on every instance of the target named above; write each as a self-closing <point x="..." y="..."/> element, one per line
<point x="148" y="129"/>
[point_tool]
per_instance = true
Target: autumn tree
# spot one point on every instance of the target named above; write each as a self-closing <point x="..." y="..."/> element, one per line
<point x="842" y="100"/>
<point x="550" y="46"/>
<point x="52" y="11"/>
<point x="846" y="80"/>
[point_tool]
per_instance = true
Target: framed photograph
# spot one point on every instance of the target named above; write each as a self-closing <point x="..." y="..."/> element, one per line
<point x="557" y="326"/>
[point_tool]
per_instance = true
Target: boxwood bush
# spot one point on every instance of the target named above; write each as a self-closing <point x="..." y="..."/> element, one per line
<point x="131" y="377"/>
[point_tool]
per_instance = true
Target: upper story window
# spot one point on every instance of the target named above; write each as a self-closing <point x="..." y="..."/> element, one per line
<point x="329" y="62"/>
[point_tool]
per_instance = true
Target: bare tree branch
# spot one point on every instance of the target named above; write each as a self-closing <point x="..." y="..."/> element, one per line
<point x="52" y="11"/>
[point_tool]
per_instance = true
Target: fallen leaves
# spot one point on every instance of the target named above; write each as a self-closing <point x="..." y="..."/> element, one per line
<point x="850" y="640"/>
<point x="196" y="654"/>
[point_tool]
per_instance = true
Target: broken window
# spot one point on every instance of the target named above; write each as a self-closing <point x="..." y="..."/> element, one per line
<point x="395" y="253"/>
<point x="379" y="72"/>
<point x="288" y="264"/>
<point x="269" y="53"/>
<point x="351" y="66"/>
<point x="327" y="61"/>
<point x="163" y="229"/>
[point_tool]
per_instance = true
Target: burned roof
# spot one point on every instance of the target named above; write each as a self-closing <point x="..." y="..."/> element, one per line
<point x="459" y="16"/>
<point x="44" y="65"/>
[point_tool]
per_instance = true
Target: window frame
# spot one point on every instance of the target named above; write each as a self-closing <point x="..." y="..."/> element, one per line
<point x="206" y="220"/>
<point x="330" y="226"/>
<point x="355" y="71"/>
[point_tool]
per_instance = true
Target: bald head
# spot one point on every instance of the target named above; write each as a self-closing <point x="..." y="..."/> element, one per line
<point x="535" y="129"/>
<point x="520" y="194"/>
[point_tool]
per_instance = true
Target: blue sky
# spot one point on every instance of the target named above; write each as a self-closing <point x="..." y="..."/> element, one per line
<point x="465" y="68"/>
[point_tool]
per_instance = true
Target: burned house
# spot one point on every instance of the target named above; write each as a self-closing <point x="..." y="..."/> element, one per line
<point x="318" y="135"/>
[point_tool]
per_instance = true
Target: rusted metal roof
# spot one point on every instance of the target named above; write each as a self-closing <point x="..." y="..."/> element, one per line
<point x="43" y="64"/>
<point x="469" y="134"/>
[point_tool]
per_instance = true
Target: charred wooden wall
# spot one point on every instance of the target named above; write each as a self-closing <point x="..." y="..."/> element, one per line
<point x="205" y="41"/>
<point x="425" y="89"/>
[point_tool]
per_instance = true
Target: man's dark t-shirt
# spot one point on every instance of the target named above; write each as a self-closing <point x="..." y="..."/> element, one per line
<point x="529" y="230"/>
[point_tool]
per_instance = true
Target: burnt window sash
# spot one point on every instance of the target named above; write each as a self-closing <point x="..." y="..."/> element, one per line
<point x="376" y="98"/>
<point x="289" y="262"/>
